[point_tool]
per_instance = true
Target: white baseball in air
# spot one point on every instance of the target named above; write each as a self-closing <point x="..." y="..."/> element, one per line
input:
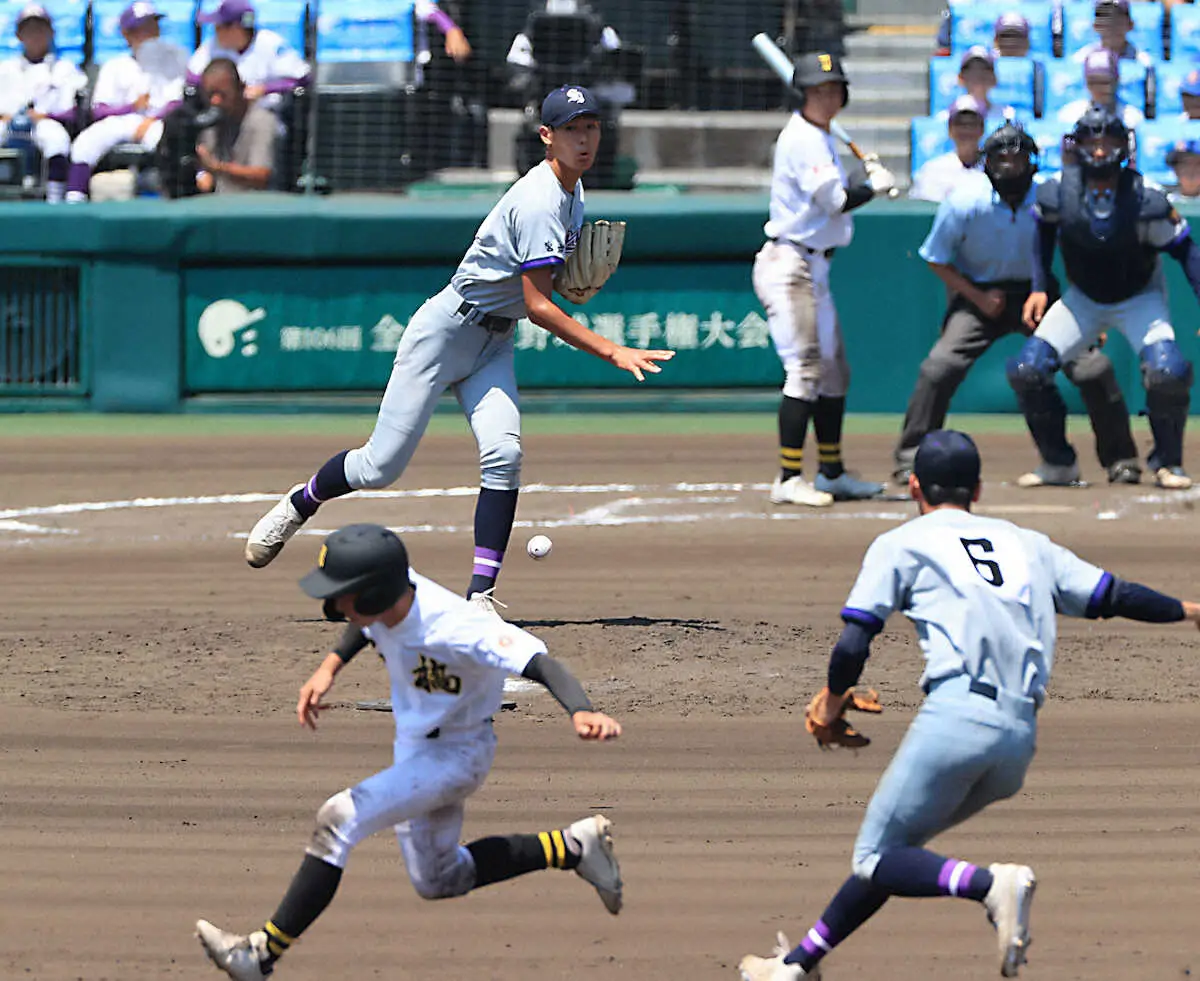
<point x="539" y="547"/>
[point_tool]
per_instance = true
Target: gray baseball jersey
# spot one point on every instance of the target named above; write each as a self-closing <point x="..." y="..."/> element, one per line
<point x="535" y="224"/>
<point x="982" y="593"/>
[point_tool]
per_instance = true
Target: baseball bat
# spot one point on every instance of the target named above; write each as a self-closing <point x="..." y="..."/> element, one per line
<point x="783" y="66"/>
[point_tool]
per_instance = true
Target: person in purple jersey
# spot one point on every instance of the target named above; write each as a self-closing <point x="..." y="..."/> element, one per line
<point x="462" y="339"/>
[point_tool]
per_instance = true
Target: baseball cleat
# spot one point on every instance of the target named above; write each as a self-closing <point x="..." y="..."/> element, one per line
<point x="597" y="860"/>
<point x="847" y="487"/>
<point x="486" y="602"/>
<point x="270" y="534"/>
<point x="1172" y="478"/>
<point x="1008" y="903"/>
<point x="239" y="957"/>
<point x="1052" y="475"/>
<point x="755" y="968"/>
<point x="1124" y="472"/>
<point x="797" y="490"/>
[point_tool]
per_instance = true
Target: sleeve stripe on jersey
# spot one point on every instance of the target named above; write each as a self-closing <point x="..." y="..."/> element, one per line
<point x="551" y="260"/>
<point x="869" y="621"/>
<point x="1098" y="596"/>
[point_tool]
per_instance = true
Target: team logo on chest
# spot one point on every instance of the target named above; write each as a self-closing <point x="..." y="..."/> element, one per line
<point x="431" y="676"/>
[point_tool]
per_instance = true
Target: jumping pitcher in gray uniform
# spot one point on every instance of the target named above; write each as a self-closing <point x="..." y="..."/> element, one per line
<point x="463" y="339"/>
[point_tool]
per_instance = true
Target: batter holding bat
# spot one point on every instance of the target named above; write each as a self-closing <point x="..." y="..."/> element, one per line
<point x="984" y="595"/>
<point x="533" y="243"/>
<point x="811" y="201"/>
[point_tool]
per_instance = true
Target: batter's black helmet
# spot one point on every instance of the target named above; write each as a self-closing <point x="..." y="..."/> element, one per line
<point x="1096" y="122"/>
<point x="815" y="68"/>
<point x="367" y="560"/>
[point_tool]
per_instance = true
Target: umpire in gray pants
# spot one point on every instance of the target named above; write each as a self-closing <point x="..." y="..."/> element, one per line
<point x="981" y="247"/>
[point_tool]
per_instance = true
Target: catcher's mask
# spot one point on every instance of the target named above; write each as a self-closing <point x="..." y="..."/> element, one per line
<point x="1101" y="142"/>
<point x="367" y="560"/>
<point x="1010" y="161"/>
<point x="815" y="68"/>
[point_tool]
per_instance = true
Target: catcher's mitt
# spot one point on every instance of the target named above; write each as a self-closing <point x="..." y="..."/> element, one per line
<point x="825" y="717"/>
<point x="595" y="258"/>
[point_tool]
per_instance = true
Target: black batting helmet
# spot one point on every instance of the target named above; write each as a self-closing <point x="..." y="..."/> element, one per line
<point x="367" y="560"/>
<point x="1098" y="122"/>
<point x="814" y="68"/>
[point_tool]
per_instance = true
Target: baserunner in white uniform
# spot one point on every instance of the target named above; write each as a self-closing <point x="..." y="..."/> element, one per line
<point x="462" y="339"/>
<point x="447" y="661"/>
<point x="133" y="92"/>
<point x="809" y="221"/>
<point x="983" y="595"/>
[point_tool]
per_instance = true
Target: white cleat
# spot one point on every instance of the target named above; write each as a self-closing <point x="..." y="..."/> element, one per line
<point x="1052" y="475"/>
<point x="598" y="861"/>
<point x="273" y="529"/>
<point x="239" y="957"/>
<point x="1009" y="903"/>
<point x="1172" y="478"/>
<point x="486" y="602"/>
<point x="797" y="490"/>
<point x="755" y="968"/>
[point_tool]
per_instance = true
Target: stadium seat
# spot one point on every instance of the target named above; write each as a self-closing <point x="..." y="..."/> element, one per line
<point x="1079" y="17"/>
<point x="1170" y="75"/>
<point x="1155" y="138"/>
<point x="69" y="20"/>
<point x="973" y="23"/>
<point x="929" y="139"/>
<point x="1185" y="34"/>
<point x="1048" y="134"/>
<point x="285" y="17"/>
<point x="179" y="26"/>
<point x="1015" y="83"/>
<point x="1064" y="84"/>
<point x="364" y="30"/>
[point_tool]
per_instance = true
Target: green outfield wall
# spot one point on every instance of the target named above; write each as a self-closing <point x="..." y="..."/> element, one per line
<point x="265" y="295"/>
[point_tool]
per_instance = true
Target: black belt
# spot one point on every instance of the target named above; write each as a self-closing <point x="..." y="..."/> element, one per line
<point x="984" y="688"/>
<point x="471" y="314"/>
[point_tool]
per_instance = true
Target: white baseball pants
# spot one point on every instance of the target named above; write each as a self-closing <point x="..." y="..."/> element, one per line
<point x="793" y="287"/>
<point x="421" y="795"/>
<point x="95" y="141"/>
<point x="49" y="136"/>
<point x="438" y="351"/>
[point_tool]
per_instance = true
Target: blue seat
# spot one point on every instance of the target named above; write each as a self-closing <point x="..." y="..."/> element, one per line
<point x="365" y="31"/>
<point x="1048" y="134"/>
<point x="178" y="26"/>
<point x="1185" y="34"/>
<point x="1014" y="83"/>
<point x="1079" y="17"/>
<point x="930" y="139"/>
<point x="1064" y="83"/>
<point x="1155" y="138"/>
<point x="69" y="17"/>
<point x="974" y="22"/>
<point x="284" y="17"/>
<point x="1170" y="76"/>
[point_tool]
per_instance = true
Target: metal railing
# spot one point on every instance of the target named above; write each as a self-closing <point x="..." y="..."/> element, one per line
<point x="40" y="335"/>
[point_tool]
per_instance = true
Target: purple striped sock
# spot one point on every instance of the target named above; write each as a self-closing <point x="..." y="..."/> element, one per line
<point x="955" y="877"/>
<point x="487" y="562"/>
<point x="817" y="942"/>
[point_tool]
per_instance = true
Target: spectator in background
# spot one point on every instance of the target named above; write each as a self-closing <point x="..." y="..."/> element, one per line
<point x="238" y="153"/>
<point x="38" y="86"/>
<point x="1113" y="23"/>
<point x="977" y="74"/>
<point x="133" y="92"/>
<point x="938" y="177"/>
<point x="456" y="44"/>
<point x="1184" y="159"/>
<point x="1010" y="36"/>
<point x="266" y="62"/>
<point x="1190" y="92"/>
<point x="1101" y="75"/>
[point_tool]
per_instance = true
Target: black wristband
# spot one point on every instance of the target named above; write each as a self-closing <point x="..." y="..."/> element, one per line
<point x="857" y="195"/>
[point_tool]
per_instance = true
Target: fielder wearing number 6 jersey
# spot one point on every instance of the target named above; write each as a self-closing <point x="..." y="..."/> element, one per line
<point x="983" y="595"/>
<point x="462" y="339"/>
<point x="447" y="661"/>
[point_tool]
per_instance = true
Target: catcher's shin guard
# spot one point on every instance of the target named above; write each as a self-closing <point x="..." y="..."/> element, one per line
<point x="1031" y="375"/>
<point x="1167" y="376"/>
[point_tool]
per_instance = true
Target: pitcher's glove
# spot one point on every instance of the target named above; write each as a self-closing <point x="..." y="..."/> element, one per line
<point x="595" y="258"/>
<point x="825" y="717"/>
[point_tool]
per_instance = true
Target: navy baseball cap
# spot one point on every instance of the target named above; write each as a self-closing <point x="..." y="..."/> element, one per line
<point x="947" y="458"/>
<point x="1183" y="148"/>
<point x="138" y="13"/>
<point x="567" y="103"/>
<point x="240" y="12"/>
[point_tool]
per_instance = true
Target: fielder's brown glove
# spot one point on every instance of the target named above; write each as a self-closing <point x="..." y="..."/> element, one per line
<point x="825" y="717"/>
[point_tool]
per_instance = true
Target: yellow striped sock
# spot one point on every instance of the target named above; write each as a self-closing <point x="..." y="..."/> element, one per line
<point x="278" y="942"/>
<point x="547" y="847"/>
<point x="791" y="459"/>
<point x="829" y="452"/>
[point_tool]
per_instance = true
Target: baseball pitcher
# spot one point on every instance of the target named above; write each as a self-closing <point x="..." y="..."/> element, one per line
<point x="533" y="242"/>
<point x="984" y="595"/>
<point x="447" y="661"/>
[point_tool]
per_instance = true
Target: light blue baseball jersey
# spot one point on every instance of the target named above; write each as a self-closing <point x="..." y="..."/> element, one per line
<point x="981" y="236"/>
<point x="982" y="593"/>
<point x="535" y="224"/>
